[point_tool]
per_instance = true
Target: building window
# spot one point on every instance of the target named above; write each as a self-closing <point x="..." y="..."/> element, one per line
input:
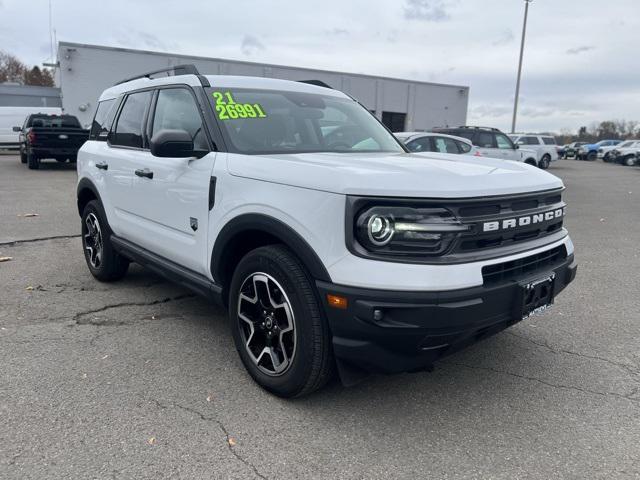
<point x="394" y="121"/>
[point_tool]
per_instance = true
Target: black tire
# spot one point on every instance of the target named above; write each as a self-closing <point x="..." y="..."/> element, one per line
<point x="310" y="364"/>
<point x="33" y="162"/>
<point x="591" y="156"/>
<point x="544" y="162"/>
<point x="23" y="156"/>
<point x="73" y="159"/>
<point x="111" y="265"/>
<point x="629" y="161"/>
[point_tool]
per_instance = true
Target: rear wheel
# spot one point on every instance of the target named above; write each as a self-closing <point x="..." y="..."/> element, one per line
<point x="629" y="161"/>
<point x="591" y="156"/>
<point x="278" y="327"/>
<point x="33" y="162"/>
<point x="103" y="261"/>
<point x="544" y="162"/>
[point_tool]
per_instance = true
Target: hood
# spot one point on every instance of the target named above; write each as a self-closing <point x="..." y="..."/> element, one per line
<point x="396" y="175"/>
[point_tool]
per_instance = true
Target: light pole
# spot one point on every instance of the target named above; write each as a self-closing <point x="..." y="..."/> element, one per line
<point x="524" y="31"/>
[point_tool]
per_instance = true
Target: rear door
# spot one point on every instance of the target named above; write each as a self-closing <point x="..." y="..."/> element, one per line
<point x="127" y="148"/>
<point x="486" y="143"/>
<point x="172" y="207"/>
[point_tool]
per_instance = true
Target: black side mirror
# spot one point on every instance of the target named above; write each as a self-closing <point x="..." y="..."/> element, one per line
<point x="17" y="129"/>
<point x="172" y="143"/>
<point x="516" y="146"/>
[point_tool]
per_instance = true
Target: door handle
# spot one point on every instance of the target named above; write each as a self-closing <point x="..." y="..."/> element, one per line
<point x="145" y="172"/>
<point x="102" y="166"/>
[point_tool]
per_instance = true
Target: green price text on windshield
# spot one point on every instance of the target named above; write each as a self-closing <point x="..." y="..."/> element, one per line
<point x="228" y="109"/>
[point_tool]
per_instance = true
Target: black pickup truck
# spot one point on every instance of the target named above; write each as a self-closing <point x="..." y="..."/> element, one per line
<point x="50" y="136"/>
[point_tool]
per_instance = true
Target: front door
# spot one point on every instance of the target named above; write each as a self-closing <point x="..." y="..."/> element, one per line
<point x="172" y="204"/>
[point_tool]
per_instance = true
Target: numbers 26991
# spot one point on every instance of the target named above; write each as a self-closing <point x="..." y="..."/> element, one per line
<point x="228" y="109"/>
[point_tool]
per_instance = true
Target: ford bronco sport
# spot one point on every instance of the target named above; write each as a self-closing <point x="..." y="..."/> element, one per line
<point x="330" y="244"/>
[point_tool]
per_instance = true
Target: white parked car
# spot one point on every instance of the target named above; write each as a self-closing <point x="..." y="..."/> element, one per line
<point x="605" y="152"/>
<point x="544" y="145"/>
<point x="420" y="142"/>
<point x="626" y="153"/>
<point x="12" y="116"/>
<point x="330" y="244"/>
<point x="492" y="143"/>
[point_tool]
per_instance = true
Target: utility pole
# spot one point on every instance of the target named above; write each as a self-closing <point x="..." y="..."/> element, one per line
<point x="524" y="31"/>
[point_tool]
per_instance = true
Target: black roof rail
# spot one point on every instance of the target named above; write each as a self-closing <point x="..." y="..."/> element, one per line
<point x="480" y="128"/>
<point x="188" y="69"/>
<point x="317" y="83"/>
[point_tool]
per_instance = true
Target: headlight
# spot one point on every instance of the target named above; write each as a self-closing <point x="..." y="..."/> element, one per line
<point x="405" y="231"/>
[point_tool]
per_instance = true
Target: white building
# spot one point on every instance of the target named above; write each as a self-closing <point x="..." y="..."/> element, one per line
<point x="86" y="70"/>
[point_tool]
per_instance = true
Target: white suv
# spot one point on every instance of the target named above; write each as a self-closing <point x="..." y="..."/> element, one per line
<point x="543" y="145"/>
<point x="329" y="243"/>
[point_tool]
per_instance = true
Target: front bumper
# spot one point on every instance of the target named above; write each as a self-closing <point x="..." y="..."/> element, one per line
<point x="417" y="328"/>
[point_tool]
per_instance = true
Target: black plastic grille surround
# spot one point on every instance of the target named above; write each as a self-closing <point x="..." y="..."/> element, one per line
<point x="506" y="271"/>
<point x="479" y="242"/>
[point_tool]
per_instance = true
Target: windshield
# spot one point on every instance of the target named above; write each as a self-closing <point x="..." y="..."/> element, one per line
<point x="625" y="144"/>
<point x="267" y="121"/>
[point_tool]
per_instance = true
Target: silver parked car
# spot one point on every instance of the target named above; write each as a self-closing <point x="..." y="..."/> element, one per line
<point x="437" y="142"/>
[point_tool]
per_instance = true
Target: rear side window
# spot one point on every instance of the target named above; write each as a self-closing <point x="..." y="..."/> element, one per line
<point x="445" y="145"/>
<point x="129" y="127"/>
<point x="549" y="140"/>
<point x="484" y="140"/>
<point x="103" y="119"/>
<point x="530" y="140"/>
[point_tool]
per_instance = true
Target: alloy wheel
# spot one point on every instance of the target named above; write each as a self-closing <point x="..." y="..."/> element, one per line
<point x="93" y="240"/>
<point x="267" y="324"/>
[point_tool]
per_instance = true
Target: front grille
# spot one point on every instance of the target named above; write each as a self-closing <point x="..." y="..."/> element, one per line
<point x="503" y="272"/>
<point x="476" y="212"/>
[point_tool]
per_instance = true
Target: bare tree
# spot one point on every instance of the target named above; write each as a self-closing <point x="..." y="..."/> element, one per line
<point x="14" y="71"/>
<point x="11" y="69"/>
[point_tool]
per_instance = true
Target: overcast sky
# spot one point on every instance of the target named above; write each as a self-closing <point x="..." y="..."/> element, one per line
<point x="581" y="56"/>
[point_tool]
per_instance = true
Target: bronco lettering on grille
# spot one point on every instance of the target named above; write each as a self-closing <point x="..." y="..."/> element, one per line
<point x="523" y="221"/>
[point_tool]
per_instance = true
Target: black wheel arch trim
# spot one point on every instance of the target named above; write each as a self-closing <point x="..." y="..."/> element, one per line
<point x="273" y="227"/>
<point x="85" y="184"/>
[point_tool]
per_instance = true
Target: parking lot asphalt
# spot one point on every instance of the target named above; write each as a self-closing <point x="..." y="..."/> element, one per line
<point x="140" y="378"/>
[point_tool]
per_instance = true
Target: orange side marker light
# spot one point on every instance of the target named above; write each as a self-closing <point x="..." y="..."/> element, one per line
<point x="337" y="302"/>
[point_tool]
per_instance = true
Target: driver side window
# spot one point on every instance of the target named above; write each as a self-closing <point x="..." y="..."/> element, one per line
<point x="503" y="142"/>
<point x="176" y="109"/>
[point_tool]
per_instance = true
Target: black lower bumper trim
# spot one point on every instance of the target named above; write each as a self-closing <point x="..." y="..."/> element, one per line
<point x="391" y="331"/>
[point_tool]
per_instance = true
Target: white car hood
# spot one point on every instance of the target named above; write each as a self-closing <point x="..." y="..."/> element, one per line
<point x="397" y="175"/>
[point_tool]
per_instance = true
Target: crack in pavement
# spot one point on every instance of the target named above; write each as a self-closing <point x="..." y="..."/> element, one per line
<point x="13" y="243"/>
<point x="77" y="318"/>
<point x="631" y="369"/>
<point x="221" y="426"/>
<point x="628" y="396"/>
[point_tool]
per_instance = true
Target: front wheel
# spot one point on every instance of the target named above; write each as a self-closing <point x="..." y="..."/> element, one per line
<point x="591" y="156"/>
<point x="23" y="156"/>
<point x="104" y="263"/>
<point x="278" y="327"/>
<point x="629" y="161"/>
